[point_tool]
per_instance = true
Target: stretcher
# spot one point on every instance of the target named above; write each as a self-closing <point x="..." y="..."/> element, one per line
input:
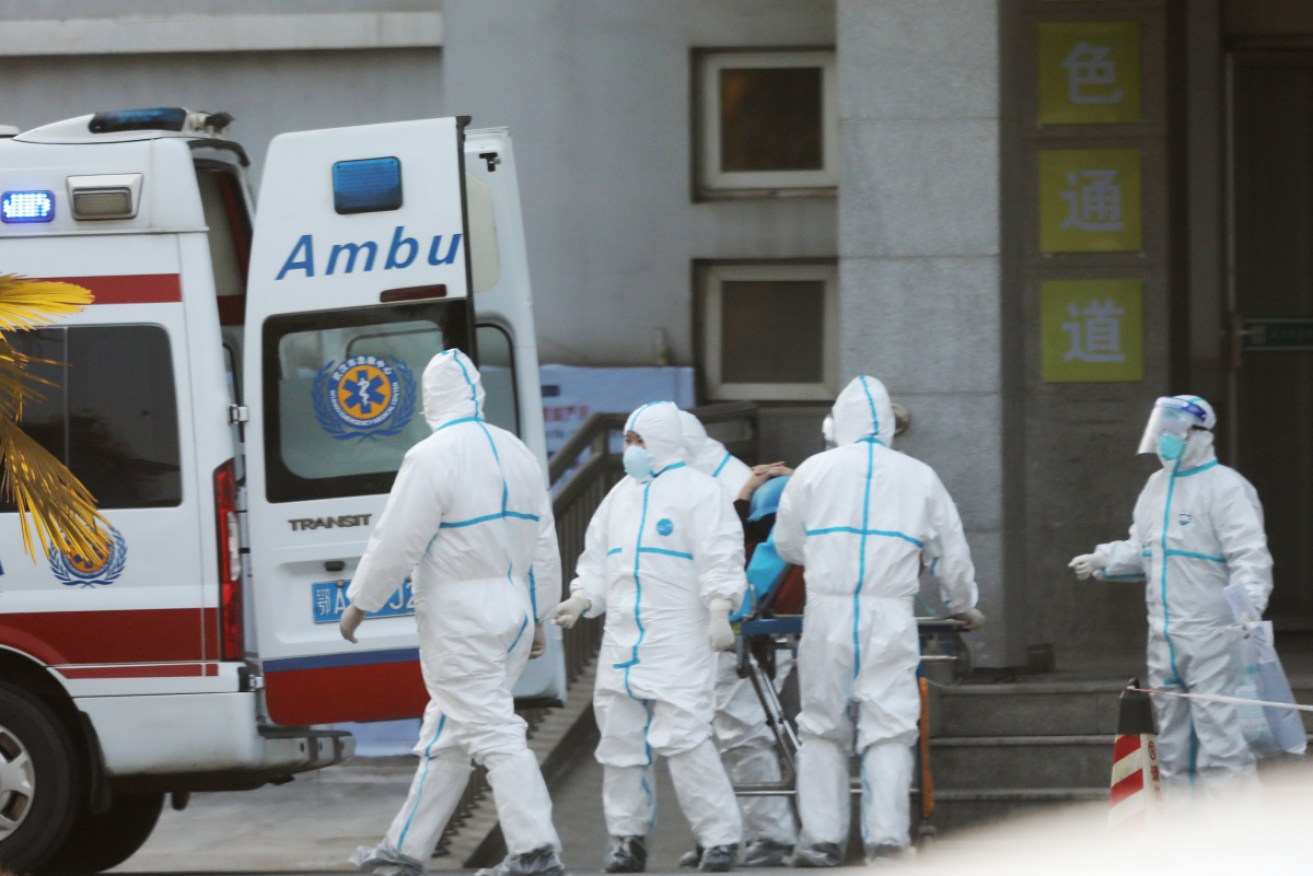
<point x="766" y="634"/>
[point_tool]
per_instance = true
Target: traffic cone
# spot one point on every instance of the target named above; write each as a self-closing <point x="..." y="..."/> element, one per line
<point x="1136" y="793"/>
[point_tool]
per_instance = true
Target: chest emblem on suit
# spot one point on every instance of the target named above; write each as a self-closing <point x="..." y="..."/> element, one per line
<point x="664" y="526"/>
<point x="1183" y="519"/>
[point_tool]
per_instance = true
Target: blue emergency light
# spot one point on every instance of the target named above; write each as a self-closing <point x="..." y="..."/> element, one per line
<point x="368" y="185"/>
<point x="162" y="118"/>
<point x="37" y="206"/>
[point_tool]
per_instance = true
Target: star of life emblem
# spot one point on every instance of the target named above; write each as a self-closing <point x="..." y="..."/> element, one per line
<point x="364" y="397"/>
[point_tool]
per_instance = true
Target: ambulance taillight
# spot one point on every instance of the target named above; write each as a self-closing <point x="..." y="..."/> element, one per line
<point x="231" y="644"/>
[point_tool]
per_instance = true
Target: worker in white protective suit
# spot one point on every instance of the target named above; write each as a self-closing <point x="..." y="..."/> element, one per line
<point x="470" y="521"/>
<point x="1197" y="527"/>
<point x="860" y="518"/>
<point x="707" y="455"/>
<point x="663" y="559"/>
<point x="741" y="734"/>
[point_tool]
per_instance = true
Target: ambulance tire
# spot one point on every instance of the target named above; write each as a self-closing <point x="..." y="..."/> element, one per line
<point x="99" y="842"/>
<point x="32" y="734"/>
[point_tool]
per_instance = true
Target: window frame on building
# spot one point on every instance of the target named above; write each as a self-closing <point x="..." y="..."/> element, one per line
<point x="711" y="180"/>
<point x="709" y="302"/>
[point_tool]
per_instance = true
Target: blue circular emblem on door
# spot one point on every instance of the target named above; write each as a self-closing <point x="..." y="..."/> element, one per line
<point x="364" y="397"/>
<point x="74" y="570"/>
<point x="664" y="526"/>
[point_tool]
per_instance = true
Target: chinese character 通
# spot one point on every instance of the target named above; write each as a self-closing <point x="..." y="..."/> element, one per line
<point x="1096" y="336"/>
<point x="1096" y="205"/>
<point x="1087" y="66"/>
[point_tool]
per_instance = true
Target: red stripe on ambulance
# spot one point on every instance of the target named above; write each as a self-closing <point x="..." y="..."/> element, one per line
<point x="373" y="692"/>
<point x="158" y="635"/>
<point x="148" y="670"/>
<point x="130" y="288"/>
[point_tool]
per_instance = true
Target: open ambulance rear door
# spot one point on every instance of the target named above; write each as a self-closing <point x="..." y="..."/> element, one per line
<point x="360" y="272"/>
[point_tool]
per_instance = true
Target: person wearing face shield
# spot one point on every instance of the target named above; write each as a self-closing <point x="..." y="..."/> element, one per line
<point x="741" y="734"/>
<point x="663" y="561"/>
<point x="470" y="522"/>
<point x="1197" y="528"/>
<point x="860" y="517"/>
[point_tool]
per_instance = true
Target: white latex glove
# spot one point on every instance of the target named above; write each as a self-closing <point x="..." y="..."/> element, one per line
<point x="569" y="611"/>
<point x="1087" y="564"/>
<point x="351" y="619"/>
<point x="719" y="633"/>
<point x="973" y="618"/>
<point x="539" y="646"/>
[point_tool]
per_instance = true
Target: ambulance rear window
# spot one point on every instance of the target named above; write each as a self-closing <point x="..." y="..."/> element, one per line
<point x="342" y="394"/>
<point x="112" y="416"/>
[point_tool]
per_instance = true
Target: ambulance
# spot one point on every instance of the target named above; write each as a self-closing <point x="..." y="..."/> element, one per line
<point x="238" y="398"/>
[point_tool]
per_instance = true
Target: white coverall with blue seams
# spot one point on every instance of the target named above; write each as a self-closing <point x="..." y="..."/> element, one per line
<point x="655" y="554"/>
<point x="469" y="513"/>
<point x="1197" y="527"/>
<point x="860" y="518"/>
<point x="742" y="736"/>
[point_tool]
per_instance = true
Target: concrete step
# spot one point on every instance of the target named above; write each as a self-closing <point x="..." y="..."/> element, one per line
<point x="1046" y="708"/>
<point x="1026" y="709"/>
<point x="957" y="810"/>
<point x="1008" y="762"/>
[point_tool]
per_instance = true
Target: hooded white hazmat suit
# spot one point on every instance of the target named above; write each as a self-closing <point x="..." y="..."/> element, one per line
<point x="860" y="518"/>
<point x="745" y="742"/>
<point x="469" y="513"/>
<point x="707" y="455"/>
<point x="1197" y="527"/>
<point x="655" y="554"/>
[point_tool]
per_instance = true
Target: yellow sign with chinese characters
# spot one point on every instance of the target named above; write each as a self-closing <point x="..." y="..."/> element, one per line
<point x="1089" y="72"/>
<point x="1089" y="200"/>
<point x="1091" y="331"/>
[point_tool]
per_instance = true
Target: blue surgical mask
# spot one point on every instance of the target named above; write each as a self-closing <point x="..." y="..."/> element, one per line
<point x="638" y="463"/>
<point x="1170" y="447"/>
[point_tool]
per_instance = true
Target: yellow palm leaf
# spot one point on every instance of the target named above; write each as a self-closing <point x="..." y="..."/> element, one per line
<point x="60" y="509"/>
<point x="27" y="304"/>
<point x="49" y="498"/>
<point x="17" y="384"/>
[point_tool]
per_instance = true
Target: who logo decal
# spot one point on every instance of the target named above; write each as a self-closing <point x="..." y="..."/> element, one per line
<point x="364" y="397"/>
<point x="74" y="570"/>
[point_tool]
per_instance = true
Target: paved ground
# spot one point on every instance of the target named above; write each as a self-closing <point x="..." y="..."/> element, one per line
<point x="310" y="825"/>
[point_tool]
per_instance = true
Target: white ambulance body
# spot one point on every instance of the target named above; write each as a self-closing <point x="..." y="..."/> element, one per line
<point x="238" y="398"/>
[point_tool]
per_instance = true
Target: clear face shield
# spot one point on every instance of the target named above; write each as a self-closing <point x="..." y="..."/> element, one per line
<point x="1169" y="427"/>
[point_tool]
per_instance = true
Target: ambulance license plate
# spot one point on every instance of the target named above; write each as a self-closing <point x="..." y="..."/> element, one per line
<point x="330" y="601"/>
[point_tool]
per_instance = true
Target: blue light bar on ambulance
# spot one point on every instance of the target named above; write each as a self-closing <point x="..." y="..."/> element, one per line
<point x="27" y="206"/>
<point x="369" y="185"/>
<point x="164" y="118"/>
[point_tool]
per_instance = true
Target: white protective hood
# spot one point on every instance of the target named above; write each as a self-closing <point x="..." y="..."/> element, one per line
<point x="658" y="424"/>
<point x="861" y="410"/>
<point x="453" y="389"/>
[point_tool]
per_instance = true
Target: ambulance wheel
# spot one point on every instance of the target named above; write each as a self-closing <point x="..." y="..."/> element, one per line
<point x="102" y="841"/>
<point x="39" y="781"/>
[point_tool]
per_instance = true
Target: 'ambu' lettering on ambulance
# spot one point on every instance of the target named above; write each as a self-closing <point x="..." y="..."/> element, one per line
<point x="401" y="253"/>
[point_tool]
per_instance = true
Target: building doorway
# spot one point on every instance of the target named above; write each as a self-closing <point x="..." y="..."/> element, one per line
<point x="1270" y="427"/>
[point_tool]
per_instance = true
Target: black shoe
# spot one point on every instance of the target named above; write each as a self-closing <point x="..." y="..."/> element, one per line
<point x="766" y="853"/>
<point x="817" y="855"/>
<point x="691" y="859"/>
<point x="885" y="854"/>
<point x="542" y="861"/>
<point x="628" y="854"/>
<point x="719" y="859"/>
